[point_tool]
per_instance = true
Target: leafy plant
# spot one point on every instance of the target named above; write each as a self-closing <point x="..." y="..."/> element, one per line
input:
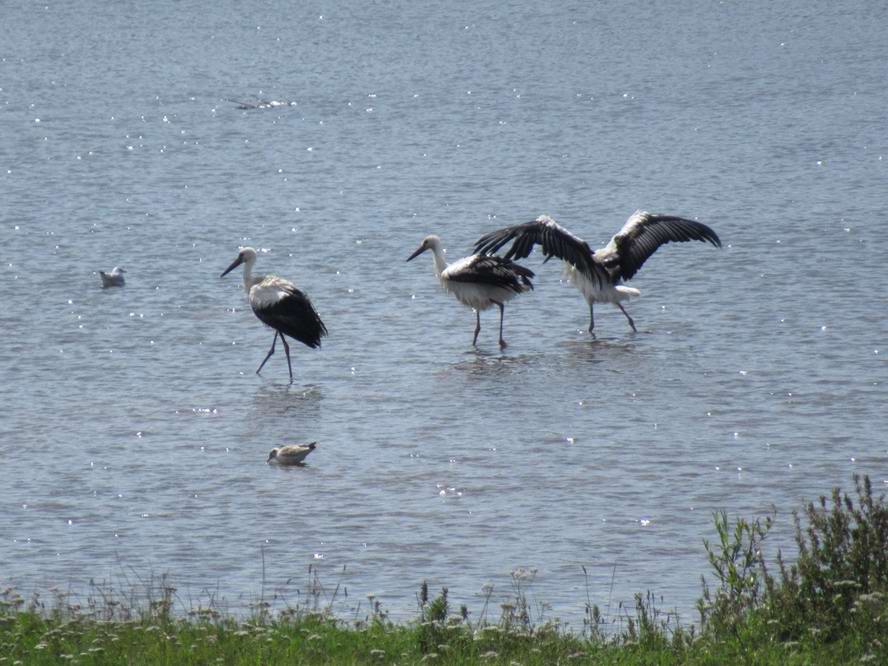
<point x="433" y="620"/>
<point x="837" y="587"/>
<point x="739" y="568"/>
<point x="842" y="557"/>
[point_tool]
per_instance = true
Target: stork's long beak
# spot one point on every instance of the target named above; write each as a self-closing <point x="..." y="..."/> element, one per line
<point x="418" y="252"/>
<point x="237" y="262"/>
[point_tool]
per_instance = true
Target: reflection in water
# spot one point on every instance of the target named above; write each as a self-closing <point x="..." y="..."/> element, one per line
<point x="298" y="468"/>
<point x="611" y="353"/>
<point x="600" y="344"/>
<point x="278" y="399"/>
<point x="282" y="414"/>
<point x="489" y="364"/>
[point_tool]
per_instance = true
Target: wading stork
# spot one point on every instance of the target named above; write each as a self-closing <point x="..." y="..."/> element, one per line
<point x="281" y="306"/>
<point x="478" y="281"/>
<point x="599" y="274"/>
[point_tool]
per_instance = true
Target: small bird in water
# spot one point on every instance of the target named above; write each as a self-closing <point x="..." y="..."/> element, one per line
<point x="112" y="279"/>
<point x="293" y="454"/>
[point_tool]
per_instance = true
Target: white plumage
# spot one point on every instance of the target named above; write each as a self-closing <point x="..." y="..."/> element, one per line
<point x="599" y="274"/>
<point x="281" y="306"/>
<point x="267" y="291"/>
<point x="478" y="281"/>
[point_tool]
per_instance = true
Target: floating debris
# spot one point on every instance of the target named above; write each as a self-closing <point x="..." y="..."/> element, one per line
<point x="261" y="103"/>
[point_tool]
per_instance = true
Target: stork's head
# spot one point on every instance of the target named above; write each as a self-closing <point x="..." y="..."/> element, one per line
<point x="247" y="255"/>
<point x="432" y="243"/>
<point x="272" y="455"/>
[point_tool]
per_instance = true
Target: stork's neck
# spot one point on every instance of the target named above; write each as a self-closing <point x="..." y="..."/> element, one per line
<point x="248" y="276"/>
<point x="440" y="262"/>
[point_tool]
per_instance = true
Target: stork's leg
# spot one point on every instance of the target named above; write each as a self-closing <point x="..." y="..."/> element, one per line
<point x="270" y="352"/>
<point x="631" y="323"/>
<point x="591" y="316"/>
<point x="502" y="311"/>
<point x="477" y="327"/>
<point x="287" y="350"/>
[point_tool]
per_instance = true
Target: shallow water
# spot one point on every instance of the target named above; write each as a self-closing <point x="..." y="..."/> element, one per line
<point x="134" y="431"/>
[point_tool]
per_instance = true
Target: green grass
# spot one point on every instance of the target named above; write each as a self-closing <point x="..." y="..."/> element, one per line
<point x="830" y="606"/>
<point x="32" y="639"/>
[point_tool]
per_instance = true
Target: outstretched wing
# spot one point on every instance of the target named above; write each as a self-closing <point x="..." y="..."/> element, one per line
<point x="496" y="271"/>
<point x="642" y="234"/>
<point x="555" y="241"/>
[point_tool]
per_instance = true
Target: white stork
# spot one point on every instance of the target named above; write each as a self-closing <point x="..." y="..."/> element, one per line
<point x="280" y="305"/>
<point x="478" y="281"/>
<point x="599" y="274"/>
<point x="112" y="279"/>
<point x="293" y="454"/>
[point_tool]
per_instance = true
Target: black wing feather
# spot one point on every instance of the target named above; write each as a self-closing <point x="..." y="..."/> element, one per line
<point x="295" y="316"/>
<point x="497" y="271"/>
<point x="554" y="240"/>
<point x="645" y="232"/>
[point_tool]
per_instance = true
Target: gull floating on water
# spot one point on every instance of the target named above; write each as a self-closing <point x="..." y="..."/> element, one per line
<point x="599" y="274"/>
<point x="261" y="103"/>
<point x="293" y="454"/>
<point x="112" y="279"/>
<point x="478" y="281"/>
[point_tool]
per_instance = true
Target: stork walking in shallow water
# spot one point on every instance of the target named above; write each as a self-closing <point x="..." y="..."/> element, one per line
<point x="599" y="274"/>
<point x="280" y="305"/>
<point x="478" y="281"/>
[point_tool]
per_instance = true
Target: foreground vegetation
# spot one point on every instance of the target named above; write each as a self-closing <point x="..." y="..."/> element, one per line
<point x="828" y="607"/>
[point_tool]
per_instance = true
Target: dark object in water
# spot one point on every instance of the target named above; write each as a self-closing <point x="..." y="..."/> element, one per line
<point x="112" y="279"/>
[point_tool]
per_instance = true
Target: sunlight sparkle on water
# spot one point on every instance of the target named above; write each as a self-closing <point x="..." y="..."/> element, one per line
<point x="420" y="412"/>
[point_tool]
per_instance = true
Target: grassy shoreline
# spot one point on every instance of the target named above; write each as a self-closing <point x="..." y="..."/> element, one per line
<point x="324" y="641"/>
<point x="830" y="606"/>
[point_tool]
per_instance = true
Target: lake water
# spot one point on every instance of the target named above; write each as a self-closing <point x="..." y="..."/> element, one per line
<point x="134" y="432"/>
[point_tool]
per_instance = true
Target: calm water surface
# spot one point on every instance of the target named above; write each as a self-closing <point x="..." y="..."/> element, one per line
<point x="134" y="431"/>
